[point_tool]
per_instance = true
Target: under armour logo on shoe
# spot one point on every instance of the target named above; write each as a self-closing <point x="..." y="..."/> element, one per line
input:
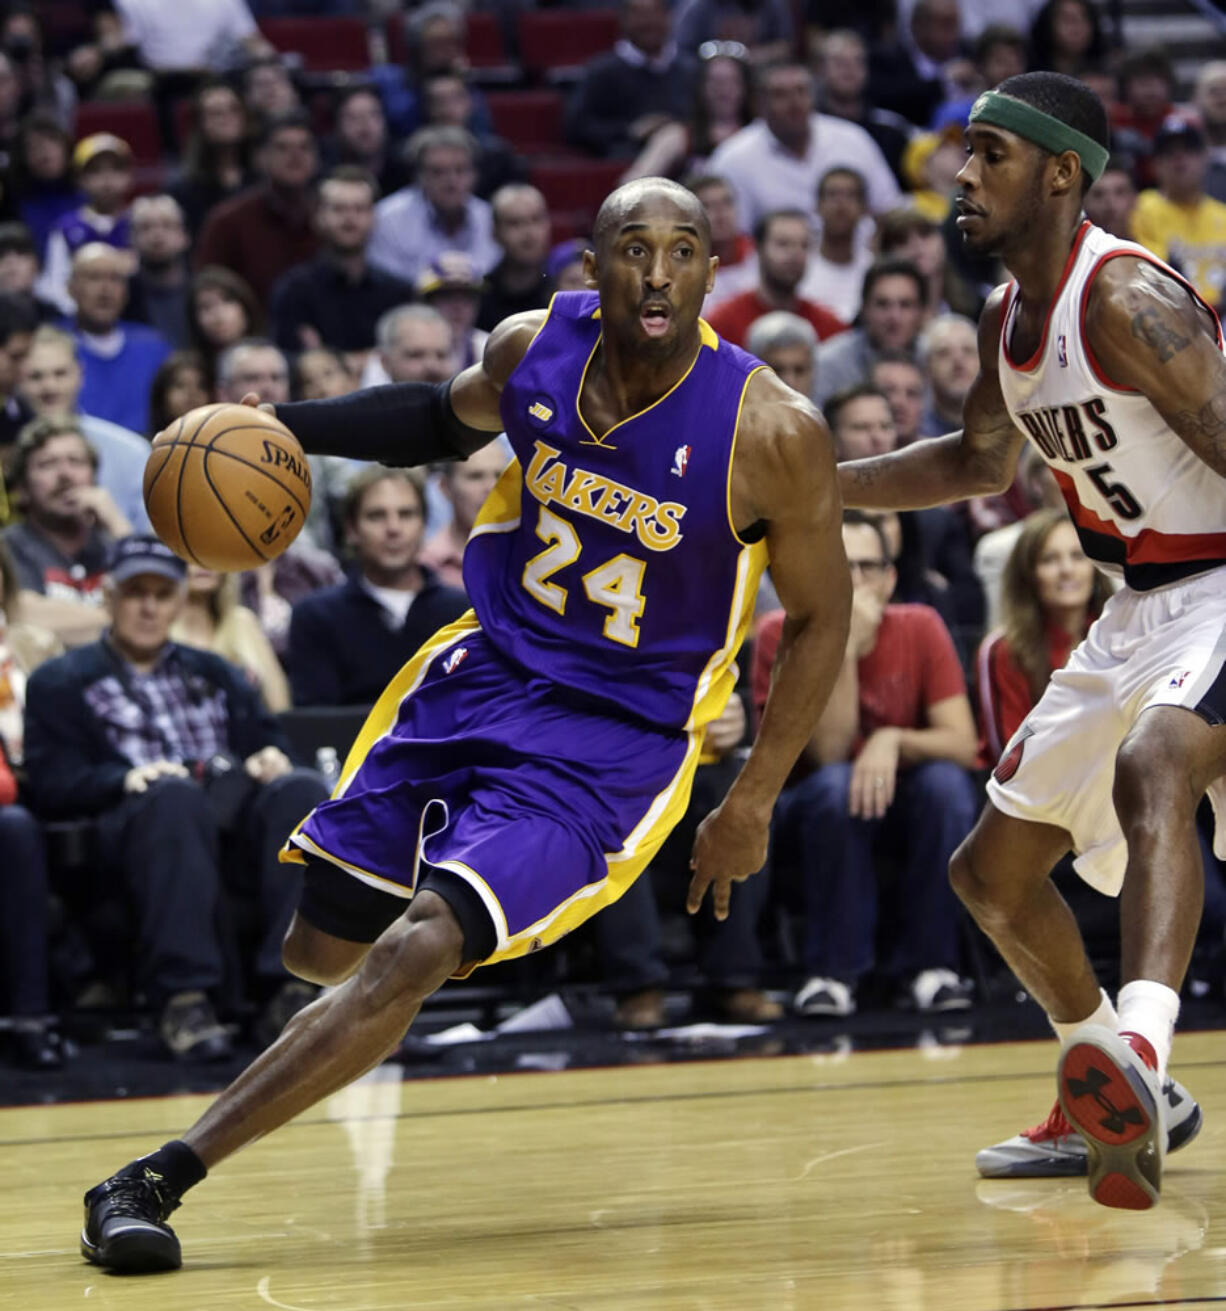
<point x="1115" y="1120"/>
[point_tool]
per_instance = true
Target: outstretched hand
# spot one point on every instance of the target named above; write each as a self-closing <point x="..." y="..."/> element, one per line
<point x="729" y="847"/>
<point x="253" y="399"/>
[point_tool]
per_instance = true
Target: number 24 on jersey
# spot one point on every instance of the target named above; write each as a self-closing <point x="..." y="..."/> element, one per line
<point x="616" y="585"/>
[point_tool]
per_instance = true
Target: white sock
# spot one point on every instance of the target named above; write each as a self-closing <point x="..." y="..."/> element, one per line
<point x="1150" y="1009"/>
<point x="1104" y="1015"/>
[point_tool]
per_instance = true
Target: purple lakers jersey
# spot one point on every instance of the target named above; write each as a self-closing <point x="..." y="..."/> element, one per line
<point x="608" y="564"/>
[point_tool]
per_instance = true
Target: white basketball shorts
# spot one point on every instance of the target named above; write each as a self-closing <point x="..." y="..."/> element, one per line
<point x="1161" y="648"/>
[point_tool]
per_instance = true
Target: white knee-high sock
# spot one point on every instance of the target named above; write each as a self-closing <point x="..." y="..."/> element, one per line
<point x="1104" y="1015"/>
<point x="1150" y="1009"/>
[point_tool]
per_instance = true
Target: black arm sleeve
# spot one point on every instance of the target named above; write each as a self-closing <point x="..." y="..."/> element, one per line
<point x="405" y="423"/>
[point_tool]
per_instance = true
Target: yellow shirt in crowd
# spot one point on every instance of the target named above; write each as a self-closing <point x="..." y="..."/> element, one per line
<point x="1192" y="237"/>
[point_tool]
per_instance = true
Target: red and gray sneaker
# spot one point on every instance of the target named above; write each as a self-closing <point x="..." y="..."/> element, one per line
<point x="1055" y="1150"/>
<point x="1109" y="1092"/>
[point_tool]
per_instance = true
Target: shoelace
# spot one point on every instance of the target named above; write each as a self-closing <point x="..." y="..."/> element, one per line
<point x="130" y="1195"/>
<point x="1055" y="1126"/>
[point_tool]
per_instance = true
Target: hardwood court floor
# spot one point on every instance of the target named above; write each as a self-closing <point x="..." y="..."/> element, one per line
<point x="773" y="1184"/>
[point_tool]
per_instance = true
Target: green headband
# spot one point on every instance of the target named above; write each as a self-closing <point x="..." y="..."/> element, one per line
<point x="1042" y="129"/>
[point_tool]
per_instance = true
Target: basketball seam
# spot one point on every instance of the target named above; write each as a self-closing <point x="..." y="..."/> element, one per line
<point x="240" y="459"/>
<point x="153" y="482"/>
<point x="191" y="441"/>
<point x="167" y="447"/>
<point x="251" y="464"/>
<point x="179" y="487"/>
<point x="208" y="478"/>
<point x="179" y="507"/>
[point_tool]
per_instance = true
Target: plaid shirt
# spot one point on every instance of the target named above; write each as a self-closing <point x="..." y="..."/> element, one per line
<point x="169" y="713"/>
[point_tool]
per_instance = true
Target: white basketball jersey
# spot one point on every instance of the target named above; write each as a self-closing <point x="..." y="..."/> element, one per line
<point x="1146" y="508"/>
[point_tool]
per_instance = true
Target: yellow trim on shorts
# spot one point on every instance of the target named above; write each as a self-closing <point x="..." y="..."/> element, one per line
<point x="386" y="711"/>
<point x="356" y="871"/>
<point x="624" y="866"/>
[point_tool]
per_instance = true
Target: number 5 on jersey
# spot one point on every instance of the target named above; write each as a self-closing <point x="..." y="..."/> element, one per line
<point x="616" y="585"/>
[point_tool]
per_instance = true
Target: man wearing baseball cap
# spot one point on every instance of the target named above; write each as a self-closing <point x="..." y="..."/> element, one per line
<point x="451" y="284"/>
<point x="184" y="771"/>
<point x="102" y="163"/>
<point x="1176" y="219"/>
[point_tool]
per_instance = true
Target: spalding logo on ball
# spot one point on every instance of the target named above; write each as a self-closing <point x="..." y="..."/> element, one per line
<point x="227" y="487"/>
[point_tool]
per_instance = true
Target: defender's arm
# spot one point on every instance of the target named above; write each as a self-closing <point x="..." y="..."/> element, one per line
<point x="977" y="461"/>
<point x="1148" y="333"/>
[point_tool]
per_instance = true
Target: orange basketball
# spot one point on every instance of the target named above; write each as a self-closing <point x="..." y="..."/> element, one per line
<point x="227" y="487"/>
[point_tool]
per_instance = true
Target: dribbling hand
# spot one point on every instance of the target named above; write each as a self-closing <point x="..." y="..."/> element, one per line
<point x="253" y="399"/>
<point x="729" y="848"/>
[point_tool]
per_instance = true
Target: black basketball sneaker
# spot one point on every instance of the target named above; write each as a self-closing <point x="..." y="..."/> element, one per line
<point x="125" y="1222"/>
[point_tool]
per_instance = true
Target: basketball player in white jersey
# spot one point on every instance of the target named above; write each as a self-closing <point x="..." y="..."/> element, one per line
<point x="1109" y="362"/>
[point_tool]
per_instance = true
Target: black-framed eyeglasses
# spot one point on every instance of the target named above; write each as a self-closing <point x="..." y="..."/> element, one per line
<point x="727" y="49"/>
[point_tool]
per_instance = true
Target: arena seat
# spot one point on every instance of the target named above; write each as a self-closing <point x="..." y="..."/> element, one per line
<point x="555" y="43"/>
<point x="574" y="189"/>
<point x="483" y="45"/>
<point x="65" y="24"/>
<point x="325" y="44"/>
<point x="311" y="727"/>
<point x="530" y="120"/>
<point x="135" y="121"/>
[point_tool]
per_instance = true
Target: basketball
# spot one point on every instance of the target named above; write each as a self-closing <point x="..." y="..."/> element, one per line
<point x="227" y="487"/>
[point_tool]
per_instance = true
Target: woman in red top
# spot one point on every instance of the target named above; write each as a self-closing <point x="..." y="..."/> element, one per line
<point x="1050" y="595"/>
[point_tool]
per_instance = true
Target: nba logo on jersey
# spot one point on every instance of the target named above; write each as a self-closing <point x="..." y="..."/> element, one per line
<point x="1177" y="681"/>
<point x="680" y="460"/>
<point x="454" y="660"/>
<point x="1062" y="350"/>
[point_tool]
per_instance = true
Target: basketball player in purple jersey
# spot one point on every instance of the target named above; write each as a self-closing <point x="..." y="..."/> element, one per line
<point x="529" y="761"/>
<point x="1110" y="363"/>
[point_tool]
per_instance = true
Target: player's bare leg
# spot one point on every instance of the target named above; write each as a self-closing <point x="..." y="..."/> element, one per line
<point x="340" y="1036"/>
<point x="1111" y="1083"/>
<point x="1161" y="773"/>
<point x="325" y="1046"/>
<point x="320" y="957"/>
<point x="1001" y="873"/>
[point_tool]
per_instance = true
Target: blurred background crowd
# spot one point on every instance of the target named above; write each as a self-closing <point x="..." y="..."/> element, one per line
<point x="305" y="197"/>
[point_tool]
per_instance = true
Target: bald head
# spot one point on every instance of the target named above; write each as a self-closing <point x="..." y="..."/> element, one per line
<point x="655" y="198"/>
<point x="652" y="265"/>
<point x="98" y="253"/>
<point x="98" y="284"/>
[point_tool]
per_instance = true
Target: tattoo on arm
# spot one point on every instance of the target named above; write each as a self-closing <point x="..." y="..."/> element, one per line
<point x="1207" y="423"/>
<point x="1160" y="337"/>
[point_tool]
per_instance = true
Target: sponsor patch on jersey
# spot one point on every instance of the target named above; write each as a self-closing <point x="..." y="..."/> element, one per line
<point x="541" y="411"/>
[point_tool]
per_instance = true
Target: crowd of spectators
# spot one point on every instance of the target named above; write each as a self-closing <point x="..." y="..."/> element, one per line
<point x="301" y="233"/>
